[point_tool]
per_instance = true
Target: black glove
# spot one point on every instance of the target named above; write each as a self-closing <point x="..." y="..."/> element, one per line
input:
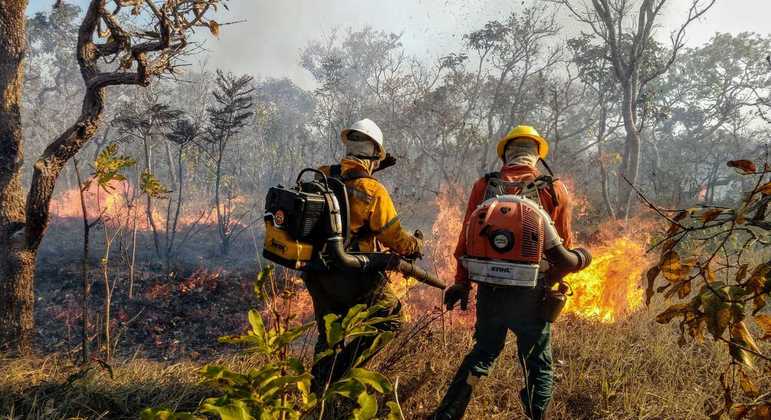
<point x="457" y="292"/>
<point x="387" y="162"/>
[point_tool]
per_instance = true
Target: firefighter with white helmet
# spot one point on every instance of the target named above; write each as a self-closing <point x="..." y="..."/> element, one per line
<point x="503" y="308"/>
<point x="375" y="227"/>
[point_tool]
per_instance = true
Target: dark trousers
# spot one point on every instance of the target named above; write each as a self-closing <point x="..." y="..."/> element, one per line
<point x="336" y="293"/>
<point x="499" y="310"/>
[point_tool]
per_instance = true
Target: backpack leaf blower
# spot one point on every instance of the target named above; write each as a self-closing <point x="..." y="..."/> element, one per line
<point x="506" y="238"/>
<point x="306" y="229"/>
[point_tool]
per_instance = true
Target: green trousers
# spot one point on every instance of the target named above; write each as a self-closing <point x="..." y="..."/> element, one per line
<point x="336" y="293"/>
<point x="500" y="309"/>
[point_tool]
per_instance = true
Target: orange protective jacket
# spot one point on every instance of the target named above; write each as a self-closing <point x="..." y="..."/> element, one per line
<point x="374" y="222"/>
<point x="560" y="213"/>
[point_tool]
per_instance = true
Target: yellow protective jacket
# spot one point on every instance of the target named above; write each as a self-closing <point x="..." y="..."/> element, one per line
<point x="374" y="222"/>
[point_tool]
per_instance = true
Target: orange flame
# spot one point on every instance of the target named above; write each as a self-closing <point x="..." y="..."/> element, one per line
<point x="121" y="206"/>
<point x="610" y="287"/>
<point x="605" y="291"/>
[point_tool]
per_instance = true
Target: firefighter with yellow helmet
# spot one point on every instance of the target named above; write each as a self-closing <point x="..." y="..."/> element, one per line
<point x="375" y="227"/>
<point x="500" y="309"/>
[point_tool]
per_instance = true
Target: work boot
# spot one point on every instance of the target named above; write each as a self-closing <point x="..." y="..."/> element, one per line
<point x="531" y="410"/>
<point x="458" y="395"/>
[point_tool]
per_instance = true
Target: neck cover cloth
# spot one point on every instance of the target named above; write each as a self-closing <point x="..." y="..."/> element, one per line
<point x="521" y="151"/>
<point x="359" y="150"/>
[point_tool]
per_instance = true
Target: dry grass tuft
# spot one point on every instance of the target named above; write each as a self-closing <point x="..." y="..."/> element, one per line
<point x="630" y="369"/>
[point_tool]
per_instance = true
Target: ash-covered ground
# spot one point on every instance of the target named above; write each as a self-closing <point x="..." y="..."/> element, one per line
<point x="176" y="311"/>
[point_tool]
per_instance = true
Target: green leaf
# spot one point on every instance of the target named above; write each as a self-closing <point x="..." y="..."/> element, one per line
<point x="292" y="334"/>
<point x="108" y="165"/>
<point x="367" y="407"/>
<point x="259" y="282"/>
<point x="377" y="381"/>
<point x="378" y="343"/>
<point x="334" y="329"/>
<point x="295" y="364"/>
<point x="320" y="355"/>
<point x="151" y="186"/>
<point x="222" y="378"/>
<point x="354" y="315"/>
<point x="258" y="327"/>
<point x="227" y="409"/>
<point x="278" y="383"/>
<point x="394" y="411"/>
<point x="166" y="414"/>
<point x="347" y="388"/>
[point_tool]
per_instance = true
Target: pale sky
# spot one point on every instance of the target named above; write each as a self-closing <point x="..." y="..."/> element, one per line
<point x="269" y="43"/>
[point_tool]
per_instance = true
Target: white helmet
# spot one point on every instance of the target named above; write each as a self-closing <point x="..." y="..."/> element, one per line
<point x="368" y="127"/>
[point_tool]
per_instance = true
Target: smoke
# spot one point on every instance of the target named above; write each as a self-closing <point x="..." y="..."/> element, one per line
<point x="268" y="44"/>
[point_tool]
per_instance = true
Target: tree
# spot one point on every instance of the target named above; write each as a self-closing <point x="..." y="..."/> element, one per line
<point x="184" y="133"/>
<point x="145" y="120"/>
<point x="234" y="107"/>
<point x="630" y="52"/>
<point x="708" y="99"/>
<point x="151" y="47"/>
<point x="706" y="265"/>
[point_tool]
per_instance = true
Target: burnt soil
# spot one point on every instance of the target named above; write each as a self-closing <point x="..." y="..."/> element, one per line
<point x="177" y="311"/>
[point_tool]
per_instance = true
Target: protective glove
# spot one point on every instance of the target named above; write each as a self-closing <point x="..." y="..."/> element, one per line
<point x="419" y="253"/>
<point x="457" y="292"/>
<point x="387" y="162"/>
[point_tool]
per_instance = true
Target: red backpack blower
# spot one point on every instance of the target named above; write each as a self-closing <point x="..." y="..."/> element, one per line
<point x="506" y="238"/>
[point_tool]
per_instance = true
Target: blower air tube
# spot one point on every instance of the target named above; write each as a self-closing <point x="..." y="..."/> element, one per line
<point x="379" y="262"/>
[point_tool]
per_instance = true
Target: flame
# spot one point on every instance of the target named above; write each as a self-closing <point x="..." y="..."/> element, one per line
<point x="607" y="290"/>
<point x="610" y="287"/>
<point x="119" y="205"/>
<point x="447" y="227"/>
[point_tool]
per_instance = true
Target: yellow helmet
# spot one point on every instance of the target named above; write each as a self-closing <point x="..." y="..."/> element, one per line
<point x="527" y="132"/>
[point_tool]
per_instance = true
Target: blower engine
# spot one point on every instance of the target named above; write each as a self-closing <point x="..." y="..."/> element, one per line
<point x="306" y="228"/>
<point x="506" y="237"/>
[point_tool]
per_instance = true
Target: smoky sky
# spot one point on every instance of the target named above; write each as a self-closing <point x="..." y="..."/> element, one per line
<point x="269" y="42"/>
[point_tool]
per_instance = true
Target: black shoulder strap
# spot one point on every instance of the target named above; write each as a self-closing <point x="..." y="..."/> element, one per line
<point x="335" y="171"/>
<point x="496" y="186"/>
<point x="491" y="175"/>
<point x="355" y="174"/>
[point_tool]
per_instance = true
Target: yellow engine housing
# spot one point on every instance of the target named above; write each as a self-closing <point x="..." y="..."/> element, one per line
<point x="282" y="249"/>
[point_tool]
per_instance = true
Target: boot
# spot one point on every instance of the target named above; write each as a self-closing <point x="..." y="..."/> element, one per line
<point x="531" y="411"/>
<point x="458" y="395"/>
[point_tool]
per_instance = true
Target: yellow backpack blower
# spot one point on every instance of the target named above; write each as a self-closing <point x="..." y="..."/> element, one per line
<point x="307" y="229"/>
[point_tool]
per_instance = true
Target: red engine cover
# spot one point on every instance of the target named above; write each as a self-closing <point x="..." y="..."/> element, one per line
<point x="506" y="228"/>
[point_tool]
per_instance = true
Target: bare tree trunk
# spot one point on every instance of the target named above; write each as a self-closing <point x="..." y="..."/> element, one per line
<point x="149" y="200"/>
<point x="603" y="124"/>
<point x="84" y="266"/>
<point x="177" y="211"/>
<point x="631" y="165"/>
<point x="17" y="263"/>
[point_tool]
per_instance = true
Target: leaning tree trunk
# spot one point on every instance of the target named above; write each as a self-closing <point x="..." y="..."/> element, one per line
<point x="16" y="263"/>
<point x="23" y="225"/>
